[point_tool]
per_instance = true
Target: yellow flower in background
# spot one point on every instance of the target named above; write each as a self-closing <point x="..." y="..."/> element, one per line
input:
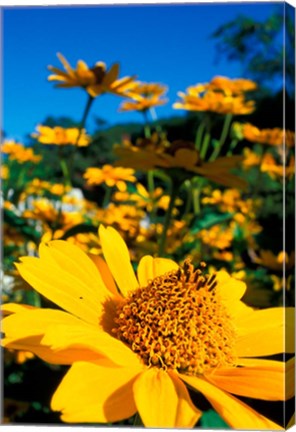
<point x="125" y="218"/>
<point x="96" y="80"/>
<point x="250" y="158"/>
<point x="231" y="200"/>
<point x="222" y="95"/>
<point x="111" y="176"/>
<point x="135" y="343"/>
<point x="217" y="236"/>
<point x="179" y="154"/>
<point x="4" y="172"/>
<point x="19" y="153"/>
<point x="275" y="170"/>
<point x="273" y="137"/>
<point x="272" y="261"/>
<point x="145" y="96"/>
<point x="60" y="136"/>
<point x="39" y="187"/>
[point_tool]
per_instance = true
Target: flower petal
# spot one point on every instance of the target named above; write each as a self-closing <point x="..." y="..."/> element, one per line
<point x="265" y="332"/>
<point x="117" y="257"/>
<point x="161" y="399"/>
<point x="237" y="414"/>
<point x="149" y="268"/>
<point x="105" y="273"/>
<point x="230" y="288"/>
<point x="61" y="337"/>
<point x="66" y="281"/>
<point x="90" y="393"/>
<point x="187" y="415"/>
<point x="259" y="382"/>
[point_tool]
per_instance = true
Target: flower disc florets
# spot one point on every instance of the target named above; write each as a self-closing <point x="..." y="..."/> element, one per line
<point x="178" y="321"/>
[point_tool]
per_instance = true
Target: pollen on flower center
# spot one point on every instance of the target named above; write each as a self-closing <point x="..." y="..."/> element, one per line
<point x="179" y="322"/>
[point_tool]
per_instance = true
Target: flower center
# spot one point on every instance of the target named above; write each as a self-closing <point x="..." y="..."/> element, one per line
<point x="178" y="321"/>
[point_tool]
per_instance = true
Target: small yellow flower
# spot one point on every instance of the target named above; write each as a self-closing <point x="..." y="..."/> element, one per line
<point x="96" y="80"/>
<point x="250" y="158"/>
<point x="217" y="236"/>
<point x="61" y="136"/>
<point x="145" y="96"/>
<point x="4" y="172"/>
<point x="19" y="152"/>
<point x="268" y="259"/>
<point x="111" y="176"/>
<point x="135" y="342"/>
<point x="222" y="95"/>
<point x="274" y="137"/>
<point x="276" y="171"/>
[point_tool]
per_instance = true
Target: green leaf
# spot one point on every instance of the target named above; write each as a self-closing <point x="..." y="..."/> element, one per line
<point x="21" y="225"/>
<point x="211" y="420"/>
<point x="208" y="220"/>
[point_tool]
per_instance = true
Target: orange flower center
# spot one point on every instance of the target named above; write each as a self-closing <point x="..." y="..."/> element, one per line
<point x="179" y="322"/>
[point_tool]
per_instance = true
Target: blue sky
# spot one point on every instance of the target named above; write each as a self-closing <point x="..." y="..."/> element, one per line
<point x="169" y="44"/>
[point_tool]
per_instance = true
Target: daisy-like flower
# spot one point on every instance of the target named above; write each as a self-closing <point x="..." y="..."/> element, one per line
<point x="179" y="159"/>
<point x="20" y="153"/>
<point x="111" y="176"/>
<point x="144" y="96"/>
<point x="61" y="136"/>
<point x="137" y="343"/>
<point x="96" y="80"/>
<point x="273" y="137"/>
<point x="221" y="95"/>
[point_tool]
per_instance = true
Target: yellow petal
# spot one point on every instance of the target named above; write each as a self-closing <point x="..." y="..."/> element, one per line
<point x="160" y="400"/>
<point x="117" y="257"/>
<point x="149" y="268"/>
<point x="112" y="74"/>
<point x="64" y="280"/>
<point x="265" y="332"/>
<point x="90" y="393"/>
<point x="230" y="288"/>
<point x="66" y="65"/>
<point x="236" y="414"/>
<point x="187" y="415"/>
<point x="61" y="337"/>
<point x="259" y="382"/>
<point x="105" y="273"/>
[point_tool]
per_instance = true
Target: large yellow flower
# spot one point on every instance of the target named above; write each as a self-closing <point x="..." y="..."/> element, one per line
<point x="274" y="137"/>
<point x="96" y="80"/>
<point x="136" y="343"/>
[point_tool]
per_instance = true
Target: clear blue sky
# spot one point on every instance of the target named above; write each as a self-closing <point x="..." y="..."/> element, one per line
<point x="169" y="44"/>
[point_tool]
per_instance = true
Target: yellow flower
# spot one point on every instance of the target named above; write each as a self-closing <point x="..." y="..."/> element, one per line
<point x="96" y="80"/>
<point x="4" y="172"/>
<point x="125" y="218"/>
<point x="180" y="159"/>
<point x="222" y="95"/>
<point x="250" y="158"/>
<point x="145" y="96"/>
<point x="274" y="262"/>
<point x="135" y="343"/>
<point x="274" y="137"/>
<point x="217" y="236"/>
<point x="19" y="152"/>
<point x="275" y="171"/>
<point x="61" y="136"/>
<point x="111" y="176"/>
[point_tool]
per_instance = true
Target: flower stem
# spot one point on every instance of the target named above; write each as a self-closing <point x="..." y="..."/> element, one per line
<point x="224" y="133"/>
<point x="65" y="171"/>
<point x="232" y="146"/>
<point x="167" y="220"/>
<point x="199" y="133"/>
<point x="205" y="145"/>
<point x="107" y="196"/>
<point x="84" y="117"/>
<point x="137" y="420"/>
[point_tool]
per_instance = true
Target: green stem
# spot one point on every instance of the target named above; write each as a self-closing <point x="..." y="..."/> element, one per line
<point x="232" y="146"/>
<point x="188" y="203"/>
<point x="151" y="189"/>
<point x="196" y="198"/>
<point x="137" y="420"/>
<point x="65" y="171"/>
<point x="199" y="134"/>
<point x="147" y="130"/>
<point x="223" y="136"/>
<point x="167" y="221"/>
<point x="84" y="117"/>
<point x="107" y="197"/>
<point x="205" y="145"/>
